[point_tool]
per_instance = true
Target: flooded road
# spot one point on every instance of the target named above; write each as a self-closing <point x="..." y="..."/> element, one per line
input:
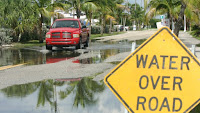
<point x="39" y="55"/>
<point x="68" y="90"/>
<point x="78" y="95"/>
<point x="70" y="95"/>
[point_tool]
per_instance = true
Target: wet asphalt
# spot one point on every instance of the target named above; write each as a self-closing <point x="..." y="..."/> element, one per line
<point x="82" y="64"/>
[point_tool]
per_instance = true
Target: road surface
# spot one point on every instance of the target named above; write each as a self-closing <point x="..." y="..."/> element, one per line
<point x="67" y="69"/>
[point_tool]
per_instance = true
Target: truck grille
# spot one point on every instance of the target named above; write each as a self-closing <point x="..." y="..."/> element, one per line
<point x="66" y="35"/>
<point x="61" y="35"/>
<point x="56" y="35"/>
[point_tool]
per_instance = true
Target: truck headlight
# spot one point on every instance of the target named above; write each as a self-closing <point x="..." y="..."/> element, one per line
<point x="75" y="35"/>
<point x="48" y="35"/>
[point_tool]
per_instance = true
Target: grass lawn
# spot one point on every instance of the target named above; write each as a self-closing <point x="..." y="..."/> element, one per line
<point x="28" y="44"/>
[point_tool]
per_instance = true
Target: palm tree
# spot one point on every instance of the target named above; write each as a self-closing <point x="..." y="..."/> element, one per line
<point x="77" y="5"/>
<point x="42" y="6"/>
<point x="165" y="6"/>
<point x="180" y="18"/>
<point x="192" y="13"/>
<point x="89" y="8"/>
<point x="174" y="8"/>
<point x="84" y="90"/>
<point x="18" y="15"/>
<point x="118" y="11"/>
<point x="20" y="90"/>
<point x="137" y="15"/>
<point x="45" y="92"/>
<point x="106" y="7"/>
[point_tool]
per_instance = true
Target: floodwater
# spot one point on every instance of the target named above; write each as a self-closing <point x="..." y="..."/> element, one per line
<point x="39" y="55"/>
<point x="70" y="95"/>
<point x="78" y="95"/>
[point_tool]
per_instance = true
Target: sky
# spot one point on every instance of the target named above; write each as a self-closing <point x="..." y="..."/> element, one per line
<point x="140" y="2"/>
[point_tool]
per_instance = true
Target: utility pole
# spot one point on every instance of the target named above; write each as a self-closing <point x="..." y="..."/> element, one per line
<point x="125" y="14"/>
<point x="184" y="23"/>
<point x="134" y="26"/>
<point x="53" y="10"/>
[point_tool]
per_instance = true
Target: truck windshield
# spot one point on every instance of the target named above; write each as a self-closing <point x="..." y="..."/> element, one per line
<point x="66" y="23"/>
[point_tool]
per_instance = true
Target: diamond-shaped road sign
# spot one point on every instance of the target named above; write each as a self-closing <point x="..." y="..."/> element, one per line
<point x="160" y="76"/>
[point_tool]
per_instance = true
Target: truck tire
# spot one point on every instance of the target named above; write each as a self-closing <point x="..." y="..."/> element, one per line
<point x="48" y="47"/>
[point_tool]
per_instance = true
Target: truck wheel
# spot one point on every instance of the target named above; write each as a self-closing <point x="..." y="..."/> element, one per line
<point x="48" y="47"/>
<point x="79" y="45"/>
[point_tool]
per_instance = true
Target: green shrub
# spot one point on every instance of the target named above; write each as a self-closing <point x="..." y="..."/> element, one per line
<point x="27" y="36"/>
<point x="106" y="29"/>
<point x="5" y="36"/>
<point x="131" y="28"/>
<point x="95" y="30"/>
<point x="4" y="39"/>
<point x="196" y="31"/>
<point x="153" y="22"/>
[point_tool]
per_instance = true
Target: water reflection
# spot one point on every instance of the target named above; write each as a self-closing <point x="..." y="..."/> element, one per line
<point x="101" y="56"/>
<point x="75" y="95"/>
<point x="79" y="92"/>
<point x="19" y="91"/>
<point x="32" y="57"/>
<point x="84" y="91"/>
<point x="39" y="55"/>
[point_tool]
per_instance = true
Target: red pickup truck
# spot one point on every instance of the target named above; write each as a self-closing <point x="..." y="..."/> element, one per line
<point x="67" y="32"/>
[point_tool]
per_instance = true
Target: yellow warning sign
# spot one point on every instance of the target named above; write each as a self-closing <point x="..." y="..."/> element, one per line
<point x="160" y="76"/>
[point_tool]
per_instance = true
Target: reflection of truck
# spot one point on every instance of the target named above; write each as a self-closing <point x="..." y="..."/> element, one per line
<point x="67" y="32"/>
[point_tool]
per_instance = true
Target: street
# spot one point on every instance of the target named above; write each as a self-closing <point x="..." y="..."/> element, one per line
<point x="68" y="78"/>
<point x="73" y="66"/>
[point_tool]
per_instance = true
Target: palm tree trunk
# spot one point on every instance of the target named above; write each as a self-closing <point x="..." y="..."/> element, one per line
<point x="180" y="18"/>
<point x="40" y="30"/>
<point x="90" y="27"/>
<point x="78" y="12"/>
<point x="124" y="23"/>
<point x="110" y="30"/>
<point x="102" y="26"/>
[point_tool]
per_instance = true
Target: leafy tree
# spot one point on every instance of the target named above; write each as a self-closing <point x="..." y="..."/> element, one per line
<point x="45" y="9"/>
<point x="165" y="6"/>
<point x="192" y="13"/>
<point x="105" y="9"/>
<point x="118" y="11"/>
<point x="137" y="15"/>
<point x="174" y="8"/>
<point x="89" y="8"/>
<point x="18" y="15"/>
